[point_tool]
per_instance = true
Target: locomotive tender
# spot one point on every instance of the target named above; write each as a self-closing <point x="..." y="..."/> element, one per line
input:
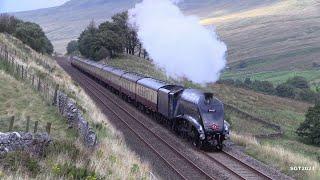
<point x="190" y="112"/>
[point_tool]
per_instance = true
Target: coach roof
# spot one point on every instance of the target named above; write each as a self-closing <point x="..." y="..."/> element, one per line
<point x="153" y="83"/>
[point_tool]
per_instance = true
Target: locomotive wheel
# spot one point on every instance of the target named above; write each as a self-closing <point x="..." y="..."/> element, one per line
<point x="219" y="147"/>
<point x="195" y="138"/>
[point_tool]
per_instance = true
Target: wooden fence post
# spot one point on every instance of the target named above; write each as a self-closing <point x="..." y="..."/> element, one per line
<point x="32" y="80"/>
<point x="28" y="124"/>
<point x="35" y="127"/>
<point x="48" y="128"/>
<point x="11" y="123"/>
<point x="55" y="95"/>
<point x="22" y="72"/>
<point x="39" y="84"/>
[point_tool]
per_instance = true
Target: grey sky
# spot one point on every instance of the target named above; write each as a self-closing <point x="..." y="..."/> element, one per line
<point x="24" y="5"/>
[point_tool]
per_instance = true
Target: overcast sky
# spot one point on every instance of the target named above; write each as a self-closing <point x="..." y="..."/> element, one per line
<point x="24" y="5"/>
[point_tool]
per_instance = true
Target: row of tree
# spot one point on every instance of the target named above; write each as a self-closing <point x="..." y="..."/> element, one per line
<point x="108" y="40"/>
<point x="295" y="88"/>
<point x="29" y="33"/>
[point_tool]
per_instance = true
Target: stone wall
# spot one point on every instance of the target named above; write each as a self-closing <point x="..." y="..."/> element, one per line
<point x="19" y="141"/>
<point x="68" y="109"/>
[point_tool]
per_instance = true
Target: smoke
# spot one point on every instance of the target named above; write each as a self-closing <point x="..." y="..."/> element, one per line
<point x="178" y="43"/>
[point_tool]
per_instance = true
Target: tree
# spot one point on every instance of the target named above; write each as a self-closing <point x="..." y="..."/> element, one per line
<point x="111" y="41"/>
<point x="103" y="53"/>
<point x="306" y="95"/>
<point x="248" y="82"/>
<point x="32" y="35"/>
<point x="310" y="128"/>
<point x="298" y="82"/>
<point x="127" y="33"/>
<point x="72" y="47"/>
<point x="88" y="41"/>
<point x="285" y="90"/>
<point x="8" y="23"/>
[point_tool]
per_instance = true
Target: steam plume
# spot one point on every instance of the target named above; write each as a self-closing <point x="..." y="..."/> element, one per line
<point x="178" y="43"/>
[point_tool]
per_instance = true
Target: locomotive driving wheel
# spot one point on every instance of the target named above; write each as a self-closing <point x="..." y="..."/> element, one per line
<point x="195" y="138"/>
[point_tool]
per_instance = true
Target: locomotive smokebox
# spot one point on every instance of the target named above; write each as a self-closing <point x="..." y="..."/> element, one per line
<point x="208" y="96"/>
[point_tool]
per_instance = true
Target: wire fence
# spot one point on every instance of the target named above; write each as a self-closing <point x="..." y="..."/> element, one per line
<point x="45" y="85"/>
<point x="39" y="81"/>
<point x="19" y="124"/>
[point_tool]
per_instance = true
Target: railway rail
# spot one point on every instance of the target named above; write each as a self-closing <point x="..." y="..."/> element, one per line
<point x="184" y="167"/>
<point x="174" y="158"/>
<point x="236" y="166"/>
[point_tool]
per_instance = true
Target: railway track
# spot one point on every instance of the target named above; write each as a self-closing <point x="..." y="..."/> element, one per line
<point x="235" y="166"/>
<point x="174" y="158"/>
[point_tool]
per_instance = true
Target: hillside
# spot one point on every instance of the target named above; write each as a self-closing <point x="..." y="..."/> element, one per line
<point x="67" y="158"/>
<point x="280" y="36"/>
<point x="281" y="111"/>
<point x="66" y="22"/>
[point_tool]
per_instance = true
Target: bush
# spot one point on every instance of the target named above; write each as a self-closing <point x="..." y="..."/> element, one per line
<point x="72" y="172"/>
<point x="306" y="95"/>
<point x="298" y="82"/>
<point x="310" y="128"/>
<point x="21" y="160"/>
<point x="226" y="81"/>
<point x="263" y="86"/>
<point x="285" y="90"/>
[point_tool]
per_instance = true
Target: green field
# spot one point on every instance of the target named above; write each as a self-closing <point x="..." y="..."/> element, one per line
<point x="277" y="77"/>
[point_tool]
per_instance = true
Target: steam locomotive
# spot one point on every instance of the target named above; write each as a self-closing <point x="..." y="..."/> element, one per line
<point x="191" y="113"/>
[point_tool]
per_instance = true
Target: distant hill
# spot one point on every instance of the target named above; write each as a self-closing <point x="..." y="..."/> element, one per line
<point x="262" y="35"/>
<point x="283" y="35"/>
<point x="65" y="22"/>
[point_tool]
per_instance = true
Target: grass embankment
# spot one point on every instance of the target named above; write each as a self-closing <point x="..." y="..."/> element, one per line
<point x="21" y="101"/>
<point x="284" y="112"/>
<point x="67" y="158"/>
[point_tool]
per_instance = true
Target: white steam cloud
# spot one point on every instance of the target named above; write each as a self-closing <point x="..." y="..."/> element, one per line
<point x="178" y="43"/>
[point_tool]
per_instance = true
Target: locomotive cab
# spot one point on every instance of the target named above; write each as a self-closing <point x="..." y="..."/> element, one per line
<point x="206" y="115"/>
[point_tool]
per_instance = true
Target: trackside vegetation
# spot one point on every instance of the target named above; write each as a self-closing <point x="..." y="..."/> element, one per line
<point x="297" y="88"/>
<point x="29" y="33"/>
<point x="287" y="113"/>
<point x="67" y="158"/>
<point x="109" y="40"/>
<point x="310" y="128"/>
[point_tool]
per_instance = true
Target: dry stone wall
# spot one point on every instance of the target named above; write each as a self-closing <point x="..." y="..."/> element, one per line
<point x="68" y="109"/>
<point x="34" y="144"/>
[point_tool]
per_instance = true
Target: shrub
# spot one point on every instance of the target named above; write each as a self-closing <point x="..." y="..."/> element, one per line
<point x="21" y="160"/>
<point x="239" y="83"/>
<point x="306" y="95"/>
<point x="263" y="86"/>
<point x="135" y="168"/>
<point x="298" y="82"/>
<point x="285" y="90"/>
<point x="226" y="81"/>
<point x="310" y="128"/>
<point x="70" y="171"/>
